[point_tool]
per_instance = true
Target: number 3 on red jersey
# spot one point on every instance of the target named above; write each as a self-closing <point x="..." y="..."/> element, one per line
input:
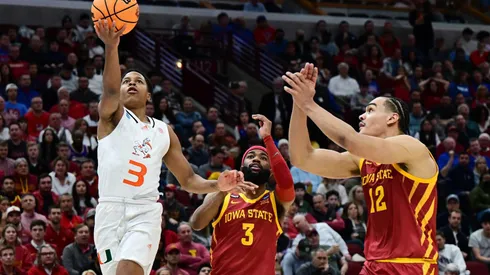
<point x="140" y="175"/>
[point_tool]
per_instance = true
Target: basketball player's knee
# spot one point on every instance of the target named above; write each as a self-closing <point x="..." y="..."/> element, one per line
<point x="128" y="267"/>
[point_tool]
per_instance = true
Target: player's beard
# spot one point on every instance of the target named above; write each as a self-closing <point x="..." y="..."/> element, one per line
<point x="259" y="178"/>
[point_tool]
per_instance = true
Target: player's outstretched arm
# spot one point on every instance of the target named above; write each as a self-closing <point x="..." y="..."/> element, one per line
<point x="193" y="183"/>
<point x="398" y="149"/>
<point x="208" y="210"/>
<point x="284" y="180"/>
<point x="326" y="163"/>
<point x="110" y="107"/>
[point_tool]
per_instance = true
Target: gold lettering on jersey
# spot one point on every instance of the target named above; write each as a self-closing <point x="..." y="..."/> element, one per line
<point x="377" y="176"/>
<point x="251" y="214"/>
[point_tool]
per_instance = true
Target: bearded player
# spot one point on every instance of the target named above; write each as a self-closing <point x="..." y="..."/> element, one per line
<point x="398" y="175"/>
<point x="131" y="149"/>
<point x="246" y="226"/>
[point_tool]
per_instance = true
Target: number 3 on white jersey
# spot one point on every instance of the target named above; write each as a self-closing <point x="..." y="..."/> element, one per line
<point x="140" y="175"/>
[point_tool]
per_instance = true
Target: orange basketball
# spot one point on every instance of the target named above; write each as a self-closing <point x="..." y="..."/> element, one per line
<point x="122" y="11"/>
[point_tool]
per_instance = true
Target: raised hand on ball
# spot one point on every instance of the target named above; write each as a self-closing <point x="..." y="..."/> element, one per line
<point x="106" y="31"/>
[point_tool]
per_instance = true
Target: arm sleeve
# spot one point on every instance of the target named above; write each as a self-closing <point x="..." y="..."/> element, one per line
<point x="284" y="180"/>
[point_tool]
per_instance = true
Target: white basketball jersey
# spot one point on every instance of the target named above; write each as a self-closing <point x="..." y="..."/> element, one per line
<point x="130" y="158"/>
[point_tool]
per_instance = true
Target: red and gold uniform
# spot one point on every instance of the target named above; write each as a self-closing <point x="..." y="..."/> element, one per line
<point x="245" y="236"/>
<point x="402" y="221"/>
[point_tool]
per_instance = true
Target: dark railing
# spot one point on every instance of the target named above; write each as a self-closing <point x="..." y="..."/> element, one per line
<point x="186" y="74"/>
<point x="254" y="60"/>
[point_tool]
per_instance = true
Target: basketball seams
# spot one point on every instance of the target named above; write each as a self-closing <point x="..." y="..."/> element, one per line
<point x="122" y="20"/>
<point x="108" y="11"/>
<point x="114" y="14"/>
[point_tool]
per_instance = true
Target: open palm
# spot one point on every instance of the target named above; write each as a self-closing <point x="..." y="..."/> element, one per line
<point x="302" y="85"/>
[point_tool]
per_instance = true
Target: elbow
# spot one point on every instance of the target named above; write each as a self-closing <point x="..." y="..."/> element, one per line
<point x="194" y="223"/>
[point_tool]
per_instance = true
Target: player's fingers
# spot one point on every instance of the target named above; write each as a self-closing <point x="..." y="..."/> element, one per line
<point x="290" y="91"/>
<point x="315" y="75"/>
<point x="300" y="76"/>
<point x="106" y="25"/>
<point x="290" y="81"/>
<point x="121" y="31"/>
<point x="241" y="176"/>
<point x="299" y="83"/>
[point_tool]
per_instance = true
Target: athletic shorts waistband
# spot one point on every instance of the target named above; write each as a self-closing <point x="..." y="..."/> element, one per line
<point x="128" y="200"/>
<point x="407" y="261"/>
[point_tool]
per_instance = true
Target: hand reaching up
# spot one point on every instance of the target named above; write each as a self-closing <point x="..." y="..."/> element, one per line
<point x="106" y="31"/>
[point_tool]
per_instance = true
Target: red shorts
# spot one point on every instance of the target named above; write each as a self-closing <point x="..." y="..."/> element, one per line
<point x="377" y="268"/>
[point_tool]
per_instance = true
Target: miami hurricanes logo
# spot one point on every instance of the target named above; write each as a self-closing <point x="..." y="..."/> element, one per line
<point x="142" y="148"/>
<point x="104" y="257"/>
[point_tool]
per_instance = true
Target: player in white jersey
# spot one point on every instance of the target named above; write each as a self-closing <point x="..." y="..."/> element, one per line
<point x="131" y="149"/>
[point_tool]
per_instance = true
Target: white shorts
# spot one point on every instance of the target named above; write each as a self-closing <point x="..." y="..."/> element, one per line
<point x="127" y="230"/>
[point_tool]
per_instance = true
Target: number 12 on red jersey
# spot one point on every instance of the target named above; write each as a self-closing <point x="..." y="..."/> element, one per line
<point x="377" y="199"/>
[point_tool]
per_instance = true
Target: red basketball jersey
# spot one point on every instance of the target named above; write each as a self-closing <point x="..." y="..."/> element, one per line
<point x="402" y="214"/>
<point x="245" y="236"/>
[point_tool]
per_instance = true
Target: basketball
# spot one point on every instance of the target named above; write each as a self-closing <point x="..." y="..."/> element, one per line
<point x="122" y="11"/>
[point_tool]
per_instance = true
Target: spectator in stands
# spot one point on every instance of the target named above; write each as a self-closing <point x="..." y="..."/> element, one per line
<point x="190" y="260"/>
<point x="197" y="153"/>
<point x="211" y="119"/>
<point x="37" y="118"/>
<point x="254" y="6"/>
<point x="82" y="201"/>
<point x="63" y="180"/>
<point x="69" y="217"/>
<point x="7" y="260"/>
<point x="83" y="94"/>
<point x="461" y="176"/>
<point x="318" y="264"/>
<point x="479" y="56"/>
<point x="28" y="211"/>
<point x="94" y="81"/>
<point x="89" y="175"/>
<point x="18" y="66"/>
<point x="301" y="195"/>
<point x="263" y="33"/>
<point x="293" y="259"/>
<point x="68" y="80"/>
<point x="45" y="198"/>
<point x="23" y="259"/>
<point x="328" y="236"/>
<point x="78" y="151"/>
<point x="453" y="232"/>
<point x="56" y="234"/>
<point x="55" y="124"/>
<point x="78" y="254"/>
<point x="427" y="135"/>
<point x="92" y="120"/>
<point x="49" y="142"/>
<point x="63" y="152"/>
<point x="300" y="176"/>
<point x="7" y="165"/>
<point x="38" y="230"/>
<point x="8" y="191"/>
<point x="343" y="85"/>
<point x="479" y="198"/>
<point x="215" y="163"/>
<point x="67" y="121"/>
<point x="334" y="185"/>
<point x="15" y="109"/>
<point x="26" y="93"/>
<point x="173" y="258"/>
<point x="277" y="105"/>
<point x="449" y="254"/>
<point x="173" y="208"/>
<point x="36" y="165"/>
<point x="4" y="130"/>
<point x="17" y="147"/>
<point x="278" y="45"/>
<point x="480" y="238"/>
<point x="92" y="46"/>
<point x="187" y="116"/>
<point x="24" y="181"/>
<point x="327" y="213"/>
<point x="47" y="262"/>
<point x="221" y="137"/>
<point x="421" y="20"/>
<point x="164" y="113"/>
